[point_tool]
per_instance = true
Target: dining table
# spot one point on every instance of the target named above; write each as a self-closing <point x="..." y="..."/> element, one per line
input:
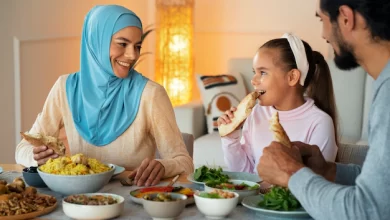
<point x="132" y="210"/>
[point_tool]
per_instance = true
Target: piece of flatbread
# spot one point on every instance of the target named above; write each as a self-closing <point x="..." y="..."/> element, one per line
<point x="280" y="134"/>
<point x="242" y="112"/>
<point x="51" y="142"/>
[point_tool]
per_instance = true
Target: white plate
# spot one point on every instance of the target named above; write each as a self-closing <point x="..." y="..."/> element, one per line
<point x="232" y="175"/>
<point x="1" y="169"/>
<point x="251" y="202"/>
<point x="190" y="178"/>
<point x="118" y="170"/>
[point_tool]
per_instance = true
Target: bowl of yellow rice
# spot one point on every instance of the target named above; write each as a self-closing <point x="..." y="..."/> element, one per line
<point x="76" y="174"/>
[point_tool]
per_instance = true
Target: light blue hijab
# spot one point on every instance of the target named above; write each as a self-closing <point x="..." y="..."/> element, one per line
<point x="103" y="106"/>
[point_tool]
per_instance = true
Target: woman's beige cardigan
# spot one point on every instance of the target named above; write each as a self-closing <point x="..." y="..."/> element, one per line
<point x="154" y="128"/>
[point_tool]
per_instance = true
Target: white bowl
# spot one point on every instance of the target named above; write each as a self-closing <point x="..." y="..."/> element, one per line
<point x="242" y="193"/>
<point x="216" y="208"/>
<point x="165" y="210"/>
<point x="77" y="184"/>
<point x="89" y="212"/>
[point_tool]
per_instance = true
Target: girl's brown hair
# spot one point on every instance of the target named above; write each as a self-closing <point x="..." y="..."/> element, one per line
<point x="318" y="83"/>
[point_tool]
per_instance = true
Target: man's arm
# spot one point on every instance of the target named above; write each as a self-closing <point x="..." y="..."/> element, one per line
<point x="325" y="200"/>
<point x="364" y="196"/>
<point x="346" y="174"/>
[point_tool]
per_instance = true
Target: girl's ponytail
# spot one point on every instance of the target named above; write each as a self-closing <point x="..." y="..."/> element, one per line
<point x="320" y="88"/>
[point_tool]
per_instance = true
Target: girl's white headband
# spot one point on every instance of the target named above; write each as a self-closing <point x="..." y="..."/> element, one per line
<point x="299" y="52"/>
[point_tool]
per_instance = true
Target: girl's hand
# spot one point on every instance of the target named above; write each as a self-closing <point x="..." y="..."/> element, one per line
<point x="226" y="118"/>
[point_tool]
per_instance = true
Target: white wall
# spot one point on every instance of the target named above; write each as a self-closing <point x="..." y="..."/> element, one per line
<point x="49" y="31"/>
<point x="39" y="40"/>
<point x="226" y="29"/>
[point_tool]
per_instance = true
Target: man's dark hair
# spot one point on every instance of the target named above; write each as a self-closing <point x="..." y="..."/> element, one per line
<point x="375" y="12"/>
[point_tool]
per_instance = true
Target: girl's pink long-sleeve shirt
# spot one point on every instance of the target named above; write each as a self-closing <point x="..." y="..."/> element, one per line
<point x="307" y="124"/>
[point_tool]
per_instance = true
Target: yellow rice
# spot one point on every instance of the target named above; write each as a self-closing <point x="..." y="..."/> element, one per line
<point x="65" y="166"/>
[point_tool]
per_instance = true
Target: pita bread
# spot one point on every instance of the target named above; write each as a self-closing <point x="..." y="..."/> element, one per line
<point x="280" y="134"/>
<point x="242" y="112"/>
<point x="51" y="142"/>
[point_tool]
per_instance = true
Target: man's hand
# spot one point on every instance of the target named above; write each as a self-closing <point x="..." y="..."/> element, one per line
<point x="148" y="173"/>
<point x="278" y="163"/>
<point x="42" y="154"/>
<point x="313" y="158"/>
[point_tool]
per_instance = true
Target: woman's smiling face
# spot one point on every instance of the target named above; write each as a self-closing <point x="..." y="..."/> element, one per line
<point x="125" y="50"/>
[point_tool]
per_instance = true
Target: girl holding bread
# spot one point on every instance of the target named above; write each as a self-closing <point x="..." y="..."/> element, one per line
<point x="294" y="81"/>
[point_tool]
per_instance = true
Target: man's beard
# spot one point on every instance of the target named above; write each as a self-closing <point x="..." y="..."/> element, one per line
<point x="345" y="60"/>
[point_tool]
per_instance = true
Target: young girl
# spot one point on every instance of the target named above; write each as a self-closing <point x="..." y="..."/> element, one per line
<point x="295" y="81"/>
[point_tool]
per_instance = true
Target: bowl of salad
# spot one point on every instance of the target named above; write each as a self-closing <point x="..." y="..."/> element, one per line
<point x="216" y="204"/>
<point x="242" y="187"/>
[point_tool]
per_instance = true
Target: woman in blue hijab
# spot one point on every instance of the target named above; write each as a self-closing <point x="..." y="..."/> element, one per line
<point x="108" y="110"/>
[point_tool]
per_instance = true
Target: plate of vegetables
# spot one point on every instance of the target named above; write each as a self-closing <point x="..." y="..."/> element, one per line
<point x="205" y="174"/>
<point x="279" y="202"/>
<point x="138" y="194"/>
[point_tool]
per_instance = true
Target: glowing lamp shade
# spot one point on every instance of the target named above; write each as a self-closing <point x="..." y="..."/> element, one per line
<point x="174" y="48"/>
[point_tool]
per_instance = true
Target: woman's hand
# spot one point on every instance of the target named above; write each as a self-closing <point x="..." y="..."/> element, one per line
<point x="226" y="118"/>
<point x="149" y="173"/>
<point x="42" y="154"/>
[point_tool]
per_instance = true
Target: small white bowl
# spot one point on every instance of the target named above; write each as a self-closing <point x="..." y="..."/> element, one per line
<point x="165" y="210"/>
<point x="216" y="208"/>
<point x="89" y="212"/>
<point x="242" y="193"/>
